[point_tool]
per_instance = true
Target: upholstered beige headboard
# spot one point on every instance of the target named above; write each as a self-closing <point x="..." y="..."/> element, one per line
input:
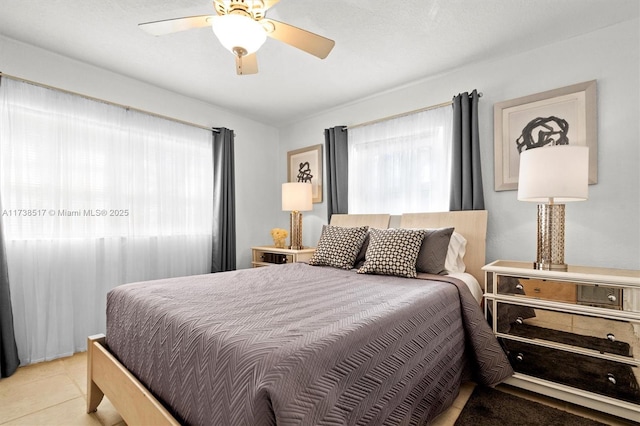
<point x="472" y="224"/>
<point x="378" y="221"/>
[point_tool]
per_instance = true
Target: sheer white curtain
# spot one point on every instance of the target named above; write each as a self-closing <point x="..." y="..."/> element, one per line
<point x="401" y="165"/>
<point x="94" y="196"/>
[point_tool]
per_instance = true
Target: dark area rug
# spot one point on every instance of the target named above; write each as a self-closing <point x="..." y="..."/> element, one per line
<point x="491" y="407"/>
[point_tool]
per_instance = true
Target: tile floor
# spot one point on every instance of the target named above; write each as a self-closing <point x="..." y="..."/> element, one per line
<point x="54" y="393"/>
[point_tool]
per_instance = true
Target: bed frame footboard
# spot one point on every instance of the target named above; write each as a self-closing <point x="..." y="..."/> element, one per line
<point x="107" y="376"/>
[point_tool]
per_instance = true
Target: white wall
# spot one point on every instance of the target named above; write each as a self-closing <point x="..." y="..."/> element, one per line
<point x="255" y="143"/>
<point x="603" y="231"/>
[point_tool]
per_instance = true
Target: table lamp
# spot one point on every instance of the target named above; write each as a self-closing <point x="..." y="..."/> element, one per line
<point x="296" y="197"/>
<point x="552" y="176"/>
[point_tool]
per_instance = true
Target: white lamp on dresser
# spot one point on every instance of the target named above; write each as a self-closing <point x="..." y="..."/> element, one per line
<point x="553" y="176"/>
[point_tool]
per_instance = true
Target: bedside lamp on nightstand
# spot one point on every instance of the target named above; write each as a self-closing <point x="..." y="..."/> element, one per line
<point x="553" y="175"/>
<point x="296" y="197"/>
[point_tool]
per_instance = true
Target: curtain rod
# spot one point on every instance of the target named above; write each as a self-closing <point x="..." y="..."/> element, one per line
<point x="46" y="86"/>
<point x="403" y="114"/>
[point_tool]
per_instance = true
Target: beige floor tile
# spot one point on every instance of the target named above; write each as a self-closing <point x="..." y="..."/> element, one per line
<point x="76" y="368"/>
<point x="75" y="362"/>
<point x="71" y="413"/>
<point x="80" y="379"/>
<point x="28" y="397"/>
<point x="32" y="373"/>
<point x="107" y="414"/>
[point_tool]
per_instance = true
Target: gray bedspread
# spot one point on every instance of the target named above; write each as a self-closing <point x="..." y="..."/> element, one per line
<point x="297" y="344"/>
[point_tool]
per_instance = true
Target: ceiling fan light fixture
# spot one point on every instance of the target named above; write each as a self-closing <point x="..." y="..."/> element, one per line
<point x="240" y="34"/>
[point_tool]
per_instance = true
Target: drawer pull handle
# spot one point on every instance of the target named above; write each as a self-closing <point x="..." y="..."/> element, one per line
<point x="536" y="290"/>
<point x="612" y="298"/>
<point x="520" y="357"/>
<point x="519" y="321"/>
<point x="611" y="337"/>
<point x="611" y="378"/>
<point x="519" y="286"/>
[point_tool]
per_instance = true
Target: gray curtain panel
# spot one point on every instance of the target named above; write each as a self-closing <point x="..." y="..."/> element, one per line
<point x="9" y="361"/>
<point x="337" y="180"/>
<point x="466" y="170"/>
<point x="224" y="202"/>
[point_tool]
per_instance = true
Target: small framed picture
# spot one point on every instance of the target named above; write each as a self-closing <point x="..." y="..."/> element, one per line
<point x="564" y="116"/>
<point x="305" y="165"/>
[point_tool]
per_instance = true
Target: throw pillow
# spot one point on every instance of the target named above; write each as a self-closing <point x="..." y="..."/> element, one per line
<point x="338" y="246"/>
<point x="433" y="251"/>
<point x="392" y="252"/>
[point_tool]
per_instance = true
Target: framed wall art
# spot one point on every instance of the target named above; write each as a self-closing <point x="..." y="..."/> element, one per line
<point x="305" y="165"/>
<point x="564" y="116"/>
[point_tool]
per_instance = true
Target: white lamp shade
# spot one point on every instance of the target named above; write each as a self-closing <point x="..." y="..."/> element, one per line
<point x="297" y="196"/>
<point x="560" y="172"/>
<point x="238" y="31"/>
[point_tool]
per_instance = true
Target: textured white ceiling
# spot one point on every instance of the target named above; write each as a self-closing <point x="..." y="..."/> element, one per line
<point x="380" y="44"/>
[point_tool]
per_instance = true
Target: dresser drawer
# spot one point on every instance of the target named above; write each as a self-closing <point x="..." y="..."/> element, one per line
<point x="601" y="376"/>
<point x="562" y="291"/>
<point x="537" y="288"/>
<point x="550" y="290"/>
<point x="615" y="337"/>
<point x="275" y="258"/>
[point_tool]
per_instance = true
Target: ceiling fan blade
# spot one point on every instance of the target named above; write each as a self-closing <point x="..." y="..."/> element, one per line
<point x="247" y="64"/>
<point x="304" y="40"/>
<point x="169" y="26"/>
<point x="268" y="4"/>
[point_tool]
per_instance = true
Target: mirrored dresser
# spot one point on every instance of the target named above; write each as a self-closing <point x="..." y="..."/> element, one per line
<point x="572" y="335"/>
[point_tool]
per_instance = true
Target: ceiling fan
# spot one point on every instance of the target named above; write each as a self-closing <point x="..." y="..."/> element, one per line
<point x="241" y="27"/>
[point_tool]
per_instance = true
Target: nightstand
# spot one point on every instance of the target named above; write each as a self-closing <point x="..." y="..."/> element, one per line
<point x="572" y="335"/>
<point x="271" y="255"/>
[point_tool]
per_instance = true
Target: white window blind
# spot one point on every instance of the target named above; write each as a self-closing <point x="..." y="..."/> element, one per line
<point x="402" y="165"/>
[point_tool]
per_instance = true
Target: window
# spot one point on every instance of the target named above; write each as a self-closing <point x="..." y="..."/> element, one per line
<point x="77" y="168"/>
<point x="401" y="165"/>
<point x="93" y="196"/>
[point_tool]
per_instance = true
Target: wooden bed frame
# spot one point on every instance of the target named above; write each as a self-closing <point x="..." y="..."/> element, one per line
<point x="137" y="405"/>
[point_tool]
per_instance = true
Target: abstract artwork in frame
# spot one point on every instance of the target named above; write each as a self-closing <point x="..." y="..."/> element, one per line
<point x="564" y="116"/>
<point x="305" y="165"/>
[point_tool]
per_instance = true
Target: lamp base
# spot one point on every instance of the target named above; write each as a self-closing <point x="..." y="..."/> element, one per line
<point x="550" y="253"/>
<point x="296" y="230"/>
<point x="550" y="267"/>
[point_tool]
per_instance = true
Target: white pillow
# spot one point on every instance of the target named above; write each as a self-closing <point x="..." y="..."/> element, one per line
<point x="455" y="253"/>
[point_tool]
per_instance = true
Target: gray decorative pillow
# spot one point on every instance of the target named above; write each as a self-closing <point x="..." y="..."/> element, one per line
<point x="338" y="246"/>
<point x="393" y="252"/>
<point x="433" y="252"/>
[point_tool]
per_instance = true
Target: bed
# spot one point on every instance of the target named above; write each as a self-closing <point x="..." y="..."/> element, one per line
<point x="298" y="344"/>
